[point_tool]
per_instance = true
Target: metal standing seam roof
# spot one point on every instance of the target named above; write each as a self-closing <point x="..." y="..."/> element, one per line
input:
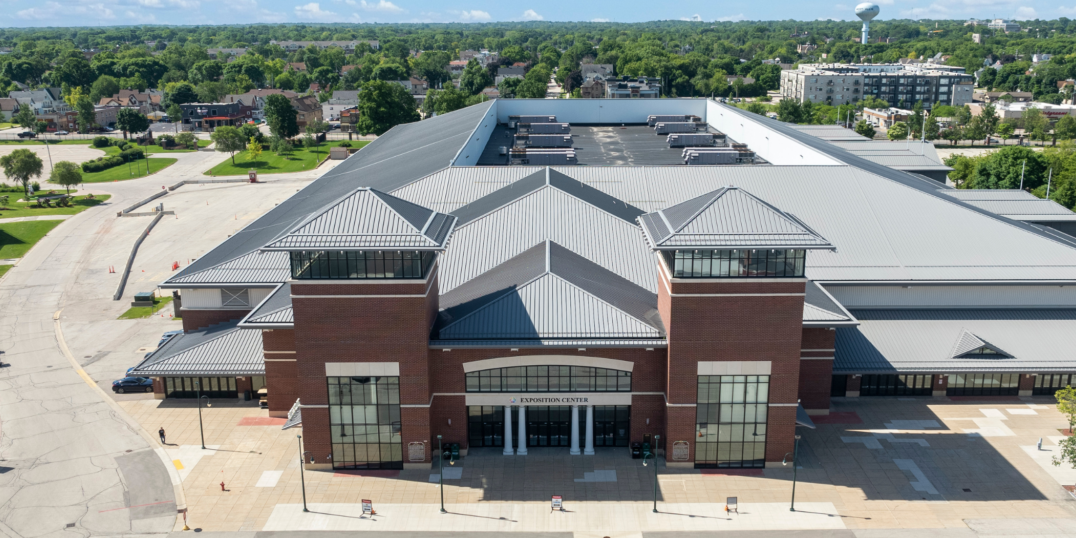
<point x="926" y="341"/>
<point x="990" y="194"/>
<point x="220" y="350"/>
<point x="820" y="309"/>
<point x="729" y="218"/>
<point x="274" y="311"/>
<point x="968" y="342"/>
<point x="257" y="268"/>
<point x="369" y="219"/>
<point x="905" y="162"/>
<point x="830" y="133"/>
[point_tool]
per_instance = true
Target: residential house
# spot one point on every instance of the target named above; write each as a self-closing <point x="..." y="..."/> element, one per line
<point x="209" y="116"/>
<point x="348" y="46"/>
<point x="346" y="68"/>
<point x="146" y="102"/>
<point x="308" y="110"/>
<point x="806" y="49"/>
<point x="640" y="88"/>
<point x="44" y="101"/>
<point x="8" y="108"/>
<point x="602" y="71"/>
<point x="226" y="53"/>
<point x="484" y="56"/>
<point x="456" y="67"/>
<point x="509" y="72"/>
<point x="592" y="89"/>
<point x="349" y="119"/>
<point x="255" y="100"/>
<point x="885" y="117"/>
<point x="993" y="97"/>
<point x="299" y="67"/>
<point x="491" y="92"/>
<point x="341" y="100"/>
<point x="1038" y="58"/>
<point x="106" y="114"/>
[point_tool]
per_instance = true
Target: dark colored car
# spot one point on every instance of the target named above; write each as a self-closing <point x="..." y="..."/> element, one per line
<point x="26" y="134"/>
<point x="132" y="384"/>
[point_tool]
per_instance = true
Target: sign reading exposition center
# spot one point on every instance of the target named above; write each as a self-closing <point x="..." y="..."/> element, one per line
<point x="585" y="398"/>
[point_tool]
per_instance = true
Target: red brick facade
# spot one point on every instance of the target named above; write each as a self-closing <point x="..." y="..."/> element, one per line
<point x="816" y="369"/>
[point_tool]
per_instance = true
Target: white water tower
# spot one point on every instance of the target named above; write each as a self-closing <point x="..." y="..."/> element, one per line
<point x="866" y="11"/>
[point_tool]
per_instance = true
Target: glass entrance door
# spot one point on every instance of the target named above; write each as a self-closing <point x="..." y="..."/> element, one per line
<point x="549" y="426"/>
<point x="611" y="425"/>
<point x="485" y="425"/>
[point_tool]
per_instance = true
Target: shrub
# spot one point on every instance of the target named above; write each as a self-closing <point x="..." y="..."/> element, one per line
<point x="345" y="144"/>
<point x="132" y="154"/>
<point x="102" y="163"/>
<point x="101" y="141"/>
<point x="36" y="186"/>
<point x="166" y="140"/>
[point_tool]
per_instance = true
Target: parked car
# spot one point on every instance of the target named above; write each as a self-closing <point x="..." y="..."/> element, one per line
<point x="61" y="132"/>
<point x="27" y="134"/>
<point x="166" y="337"/>
<point x="132" y="384"/>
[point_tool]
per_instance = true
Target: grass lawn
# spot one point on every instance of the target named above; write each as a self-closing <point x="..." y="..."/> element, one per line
<point x="4" y="269"/>
<point x="28" y="209"/>
<point x="158" y="149"/>
<point x="139" y="312"/>
<point x="136" y="170"/>
<point x="271" y="163"/>
<point x="17" y="238"/>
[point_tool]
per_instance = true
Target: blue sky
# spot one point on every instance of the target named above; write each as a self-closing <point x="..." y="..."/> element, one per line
<point x="21" y="13"/>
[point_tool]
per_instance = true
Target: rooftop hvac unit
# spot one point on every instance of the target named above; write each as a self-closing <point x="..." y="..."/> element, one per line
<point x="545" y="128"/>
<point x="543" y="140"/>
<point x="675" y="127"/>
<point x="655" y="119"/>
<point x="504" y="150"/>
<point x="681" y="140"/>
<point x="543" y="157"/>
<point x="534" y="119"/>
<point x="739" y="146"/>
<point x="512" y="124"/>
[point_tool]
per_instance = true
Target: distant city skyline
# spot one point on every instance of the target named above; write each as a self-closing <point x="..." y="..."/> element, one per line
<point x="34" y="13"/>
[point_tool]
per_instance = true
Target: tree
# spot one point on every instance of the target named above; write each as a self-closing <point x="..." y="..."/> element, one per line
<point x="66" y="173"/>
<point x="989" y="119"/>
<point x="280" y="115"/>
<point x="175" y="115"/>
<point x="383" y="106"/>
<point x="25" y="117"/>
<point x="917" y="119"/>
<point x="183" y="93"/>
<point x="932" y="127"/>
<point x="431" y="66"/>
<point x="974" y="131"/>
<point x="325" y="76"/>
<point x="228" y="139"/>
<point x="963" y="169"/>
<point x="1002" y="169"/>
<point x="104" y="86"/>
<point x="1066" y="128"/>
<point x="963" y="115"/>
<point x="1006" y="129"/>
<point x="87" y="114"/>
<point x="897" y="131"/>
<point x="129" y="120"/>
<point x="1066" y="404"/>
<point x="1035" y="123"/>
<point x="864" y="128"/>
<point x="254" y="150"/>
<point x="444" y="101"/>
<point x="756" y="108"/>
<point x="187" y="139"/>
<point x="789" y="111"/>
<point x="508" y="87"/>
<point x="475" y="78"/>
<point x="953" y="135"/>
<point x="21" y="165"/>
<point x="41" y="126"/>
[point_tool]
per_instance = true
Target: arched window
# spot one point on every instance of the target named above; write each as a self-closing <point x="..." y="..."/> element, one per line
<point x="549" y="379"/>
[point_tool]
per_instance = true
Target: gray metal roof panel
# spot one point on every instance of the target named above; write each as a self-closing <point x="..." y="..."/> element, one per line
<point x="559" y="343"/>
<point x="252" y="268"/>
<point x="989" y="194"/>
<point x="925" y="340"/>
<point x="1022" y="207"/>
<point x="819" y="305"/>
<point x="218" y="351"/>
<point x="274" y="309"/>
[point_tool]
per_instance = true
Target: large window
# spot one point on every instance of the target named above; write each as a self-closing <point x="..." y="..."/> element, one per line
<point x="364" y="417"/>
<point x="983" y="385"/>
<point x="191" y="387"/>
<point x="896" y="385"/>
<point x="731" y="421"/>
<point x="735" y="263"/>
<point x="549" y="379"/>
<point x="360" y="264"/>
<point x="1048" y="384"/>
<point x="485" y="425"/>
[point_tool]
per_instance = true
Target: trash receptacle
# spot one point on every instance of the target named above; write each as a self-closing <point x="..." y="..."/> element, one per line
<point x="246" y="395"/>
<point x="646" y="448"/>
<point x="636" y="451"/>
<point x="455" y="448"/>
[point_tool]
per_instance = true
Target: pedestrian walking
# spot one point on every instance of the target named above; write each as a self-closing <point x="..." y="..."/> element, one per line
<point x="161" y="433"/>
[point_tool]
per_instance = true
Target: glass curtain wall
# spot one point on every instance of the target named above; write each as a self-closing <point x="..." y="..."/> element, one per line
<point x="735" y="263"/>
<point x="731" y="421"/>
<point x="1048" y="384"/>
<point x="549" y="379"/>
<point x="983" y="385"/>
<point x="896" y="385"/>
<point x="214" y="387"/>
<point x="360" y="264"/>
<point x="364" y="418"/>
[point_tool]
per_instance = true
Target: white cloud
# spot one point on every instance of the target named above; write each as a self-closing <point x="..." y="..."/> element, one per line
<point x="381" y="5"/>
<point x="933" y="11"/>
<point x="355" y="17"/>
<point x="313" y="12"/>
<point x="731" y="18"/>
<point x="1025" y="13"/>
<point x="34" y="14"/>
<point x="1066" y="10"/>
<point x="695" y="18"/>
<point x="142" y="18"/>
<point x="884" y="2"/>
<point x="474" y="15"/>
<point x="599" y="20"/>
<point x="531" y="15"/>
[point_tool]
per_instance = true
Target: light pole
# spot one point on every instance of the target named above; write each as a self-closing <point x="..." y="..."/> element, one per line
<point x="201" y="431"/>
<point x="653" y="455"/>
<point x="302" y="477"/>
<point x="795" y="464"/>
<point x="441" y="477"/>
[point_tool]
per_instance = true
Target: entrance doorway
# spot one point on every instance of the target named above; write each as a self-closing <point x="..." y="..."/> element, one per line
<point x="485" y="425"/>
<point x="611" y="425"/>
<point x="549" y="426"/>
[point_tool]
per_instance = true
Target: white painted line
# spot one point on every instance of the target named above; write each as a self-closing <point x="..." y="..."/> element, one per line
<point x="1021" y="411"/>
<point x="994" y="413"/>
<point x="269" y="479"/>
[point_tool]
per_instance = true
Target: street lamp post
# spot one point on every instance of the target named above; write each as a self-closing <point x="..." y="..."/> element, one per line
<point x="441" y="477"/>
<point x="302" y="477"/>
<point x="795" y="465"/>
<point x="653" y="455"/>
<point x="201" y="431"/>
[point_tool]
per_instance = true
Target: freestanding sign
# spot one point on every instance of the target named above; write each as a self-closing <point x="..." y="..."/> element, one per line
<point x="367" y="506"/>
<point x="557" y="503"/>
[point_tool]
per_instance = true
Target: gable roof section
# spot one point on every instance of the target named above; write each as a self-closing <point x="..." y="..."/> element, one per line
<point x="401" y="155"/>
<point x="219" y="350"/>
<point x="274" y="311"/>
<point x="728" y="218"/>
<point x="968" y="345"/>
<point x="820" y="309"/>
<point x="369" y="219"/>
<point x="548" y="292"/>
<point x="257" y="268"/>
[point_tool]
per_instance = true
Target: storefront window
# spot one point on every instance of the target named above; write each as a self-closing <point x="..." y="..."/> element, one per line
<point x="192" y="387"/>
<point x="735" y="263"/>
<point x="549" y="379"/>
<point x="1048" y="384"/>
<point x="983" y="385"/>
<point x="360" y="265"/>
<point x="364" y="418"/>
<point x="731" y="421"/>
<point x="896" y="385"/>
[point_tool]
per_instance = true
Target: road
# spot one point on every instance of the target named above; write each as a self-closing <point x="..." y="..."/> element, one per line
<point x="71" y="461"/>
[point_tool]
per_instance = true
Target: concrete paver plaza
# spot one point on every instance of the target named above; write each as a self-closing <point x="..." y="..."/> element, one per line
<point x="874" y="463"/>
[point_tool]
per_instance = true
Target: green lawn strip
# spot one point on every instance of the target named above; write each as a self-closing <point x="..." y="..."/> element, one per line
<point x="139" y="312"/>
<point x="131" y="170"/>
<point x="17" y="238"/>
<point x="4" y="269"/>
<point x="299" y="160"/>
<point x="30" y="209"/>
<point x="51" y="142"/>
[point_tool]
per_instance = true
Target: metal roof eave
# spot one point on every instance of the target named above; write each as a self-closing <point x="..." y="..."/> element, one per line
<point x="744" y="247"/>
<point x="546" y="344"/>
<point x="265" y="325"/>
<point x="213" y="285"/>
<point x="432" y="248"/>
<point x="826" y="324"/>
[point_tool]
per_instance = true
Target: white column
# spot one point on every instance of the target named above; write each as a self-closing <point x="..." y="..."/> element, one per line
<point x="575" y="431"/>
<point x="588" y="450"/>
<point x="522" y="451"/>
<point x="508" y="451"/>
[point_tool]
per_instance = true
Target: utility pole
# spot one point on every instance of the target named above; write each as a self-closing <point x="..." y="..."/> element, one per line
<point x="1049" y="179"/>
<point x="1022" y="168"/>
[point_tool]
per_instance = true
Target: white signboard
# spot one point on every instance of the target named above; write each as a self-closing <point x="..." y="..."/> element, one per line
<point x="558" y="503"/>
<point x="550" y="398"/>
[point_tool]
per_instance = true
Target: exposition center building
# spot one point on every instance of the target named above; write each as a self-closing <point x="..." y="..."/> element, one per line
<point x="433" y="284"/>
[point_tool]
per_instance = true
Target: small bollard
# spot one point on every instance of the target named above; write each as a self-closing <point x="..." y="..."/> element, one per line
<point x="1040" y="443"/>
<point x="222" y="485"/>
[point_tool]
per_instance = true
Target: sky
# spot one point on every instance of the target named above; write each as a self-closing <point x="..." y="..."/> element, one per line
<point x="24" y="13"/>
